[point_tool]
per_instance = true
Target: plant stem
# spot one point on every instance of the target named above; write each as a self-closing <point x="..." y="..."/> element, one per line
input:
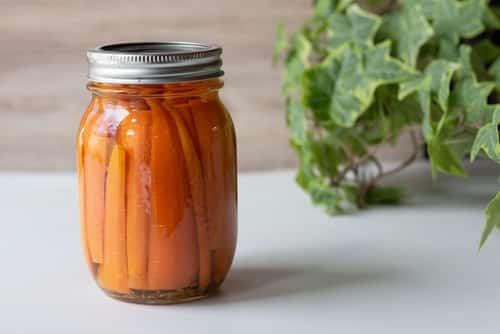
<point x="411" y="158"/>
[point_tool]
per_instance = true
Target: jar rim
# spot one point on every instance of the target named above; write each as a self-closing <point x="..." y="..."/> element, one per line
<point x="154" y="62"/>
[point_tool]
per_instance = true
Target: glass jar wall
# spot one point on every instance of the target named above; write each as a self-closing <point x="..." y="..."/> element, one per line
<point x="158" y="189"/>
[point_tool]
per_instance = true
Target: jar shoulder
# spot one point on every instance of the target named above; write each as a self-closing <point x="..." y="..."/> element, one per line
<point x="106" y="115"/>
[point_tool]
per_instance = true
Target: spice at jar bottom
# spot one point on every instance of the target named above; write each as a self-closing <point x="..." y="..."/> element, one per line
<point x="157" y="172"/>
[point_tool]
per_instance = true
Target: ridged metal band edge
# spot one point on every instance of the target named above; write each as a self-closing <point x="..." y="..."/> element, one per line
<point x="169" y="62"/>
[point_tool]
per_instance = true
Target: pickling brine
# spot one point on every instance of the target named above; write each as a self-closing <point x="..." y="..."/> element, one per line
<point x="158" y="188"/>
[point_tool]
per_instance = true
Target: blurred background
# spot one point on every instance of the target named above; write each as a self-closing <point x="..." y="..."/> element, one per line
<point x="43" y="68"/>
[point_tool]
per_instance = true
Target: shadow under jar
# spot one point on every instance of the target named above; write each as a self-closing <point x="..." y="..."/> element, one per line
<point x="157" y="172"/>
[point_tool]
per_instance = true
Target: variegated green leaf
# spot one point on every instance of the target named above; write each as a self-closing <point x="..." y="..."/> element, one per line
<point x="360" y="74"/>
<point x="492" y="218"/>
<point x="464" y="59"/>
<point x="453" y="19"/>
<point x="412" y="85"/>
<point x="421" y="85"/>
<point x="296" y="62"/>
<point x="409" y="29"/>
<point x="472" y="96"/>
<point x="434" y="84"/>
<point x="380" y="67"/>
<point x="347" y="89"/>
<point x="399" y="114"/>
<point x="319" y="84"/>
<point x="448" y="49"/>
<point x="297" y="123"/>
<point x="443" y="158"/>
<point x="324" y="8"/>
<point x="428" y="6"/>
<point x="487" y="138"/>
<point x="327" y="153"/>
<point x="334" y="200"/>
<point x="441" y="71"/>
<point x="468" y="93"/>
<point x="424" y="98"/>
<point x="487" y="141"/>
<point x="496" y="115"/>
<point x="357" y="27"/>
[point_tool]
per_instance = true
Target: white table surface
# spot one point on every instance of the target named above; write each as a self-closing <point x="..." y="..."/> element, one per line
<point x="408" y="269"/>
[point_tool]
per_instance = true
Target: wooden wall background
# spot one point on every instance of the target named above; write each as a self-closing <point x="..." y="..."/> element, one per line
<point x="43" y="67"/>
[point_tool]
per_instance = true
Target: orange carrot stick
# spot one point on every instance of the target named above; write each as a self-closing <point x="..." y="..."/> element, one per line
<point x="134" y="137"/>
<point x="95" y="160"/>
<point x="218" y="156"/>
<point x="173" y="260"/>
<point x="98" y="144"/>
<point x="88" y="117"/>
<point x="197" y="188"/>
<point x="83" y="224"/>
<point x="183" y="109"/>
<point x="112" y="273"/>
<point x="210" y="134"/>
<point x="224" y="255"/>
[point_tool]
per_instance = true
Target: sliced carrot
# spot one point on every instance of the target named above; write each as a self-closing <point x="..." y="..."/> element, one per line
<point x="183" y="109"/>
<point x="98" y="142"/>
<point x="173" y="258"/>
<point x="83" y="224"/>
<point x="112" y="274"/>
<point x="210" y="137"/>
<point x="95" y="174"/>
<point x="95" y="160"/>
<point x="197" y="189"/>
<point x="224" y="255"/>
<point x="210" y="134"/>
<point x="134" y="136"/>
<point x="219" y="162"/>
<point x="93" y="108"/>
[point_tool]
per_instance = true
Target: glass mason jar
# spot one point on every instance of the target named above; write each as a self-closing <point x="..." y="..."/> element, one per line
<point x="157" y="172"/>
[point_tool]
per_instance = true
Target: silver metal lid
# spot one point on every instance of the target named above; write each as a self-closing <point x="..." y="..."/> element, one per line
<point x="147" y="63"/>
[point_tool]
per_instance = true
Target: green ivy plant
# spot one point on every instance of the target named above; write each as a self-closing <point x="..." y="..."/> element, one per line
<point x="358" y="74"/>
